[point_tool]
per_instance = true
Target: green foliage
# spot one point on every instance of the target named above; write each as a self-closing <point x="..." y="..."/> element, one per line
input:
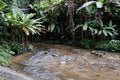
<point x="92" y="22"/>
<point x="108" y="45"/>
<point x="113" y="8"/>
<point x="16" y="47"/>
<point x="29" y="48"/>
<point x="107" y="29"/>
<point x="13" y="46"/>
<point x="5" y="56"/>
<point x="112" y="45"/>
<point x="21" y="2"/>
<point x="98" y="28"/>
<point x="18" y="19"/>
<point x="7" y="49"/>
<point x="2" y="5"/>
<point x="85" y="43"/>
<point x="46" y="4"/>
<point x="50" y="11"/>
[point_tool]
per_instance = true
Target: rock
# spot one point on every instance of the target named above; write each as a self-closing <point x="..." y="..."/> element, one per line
<point x="54" y="55"/>
<point x="97" y="54"/>
<point x="12" y="52"/>
<point x="63" y="62"/>
<point x="45" y="52"/>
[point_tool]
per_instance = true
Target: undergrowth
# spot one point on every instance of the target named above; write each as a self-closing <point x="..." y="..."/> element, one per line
<point x="7" y="49"/>
<point x="108" y="45"/>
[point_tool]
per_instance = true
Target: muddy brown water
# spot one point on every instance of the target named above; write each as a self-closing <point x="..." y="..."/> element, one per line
<point x="71" y="63"/>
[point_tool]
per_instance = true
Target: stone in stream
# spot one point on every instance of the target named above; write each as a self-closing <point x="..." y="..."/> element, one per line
<point x="63" y="62"/>
<point x="98" y="53"/>
<point x="54" y="55"/>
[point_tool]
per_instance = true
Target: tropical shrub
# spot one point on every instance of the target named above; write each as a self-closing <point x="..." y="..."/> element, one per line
<point x="19" y="26"/>
<point x="112" y="45"/>
<point x="85" y="43"/>
<point x="98" y="28"/>
<point x="16" y="47"/>
<point x="5" y="56"/>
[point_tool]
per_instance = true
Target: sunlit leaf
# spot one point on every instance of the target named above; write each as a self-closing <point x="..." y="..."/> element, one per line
<point x="26" y="31"/>
<point x="100" y="32"/>
<point x="52" y="27"/>
<point x="77" y="27"/>
<point x="105" y="33"/>
<point x="85" y="26"/>
<point x="85" y="5"/>
<point x="2" y="5"/>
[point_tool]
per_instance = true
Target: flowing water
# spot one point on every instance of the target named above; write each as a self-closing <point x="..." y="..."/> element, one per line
<point x="61" y="62"/>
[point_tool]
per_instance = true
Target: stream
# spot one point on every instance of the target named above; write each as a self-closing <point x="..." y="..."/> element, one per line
<point x="61" y="62"/>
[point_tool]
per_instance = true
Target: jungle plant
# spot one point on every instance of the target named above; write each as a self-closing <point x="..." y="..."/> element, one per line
<point x="2" y="28"/>
<point x="51" y="12"/>
<point x="107" y="29"/>
<point x="98" y="28"/>
<point x="16" y="47"/>
<point x="5" y="56"/>
<point x="23" y="24"/>
<point x="3" y="5"/>
<point x="99" y="4"/>
<point x="85" y="43"/>
<point x="21" y="2"/>
<point x="111" y="45"/>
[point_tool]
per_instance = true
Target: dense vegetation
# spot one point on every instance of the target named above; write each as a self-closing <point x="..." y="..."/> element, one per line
<point x="89" y="24"/>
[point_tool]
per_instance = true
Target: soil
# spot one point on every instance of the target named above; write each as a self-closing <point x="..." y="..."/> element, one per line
<point x="61" y="62"/>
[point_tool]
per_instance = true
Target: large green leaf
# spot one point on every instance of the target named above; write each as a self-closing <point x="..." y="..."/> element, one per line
<point x="86" y="5"/>
<point x="77" y="27"/>
<point x="58" y="29"/>
<point x="2" y="5"/>
<point x="91" y="29"/>
<point x="95" y="31"/>
<point x="110" y="33"/>
<point x="101" y="23"/>
<point x="85" y="26"/>
<point x="110" y="23"/>
<point x="28" y="17"/>
<point x="100" y="32"/>
<point x="105" y="33"/>
<point x="52" y="27"/>
<point x="26" y="31"/>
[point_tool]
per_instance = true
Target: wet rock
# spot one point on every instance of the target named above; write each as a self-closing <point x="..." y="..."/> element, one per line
<point x="12" y="52"/>
<point x="45" y="52"/>
<point x="63" y="62"/>
<point x="54" y="55"/>
<point x="97" y="54"/>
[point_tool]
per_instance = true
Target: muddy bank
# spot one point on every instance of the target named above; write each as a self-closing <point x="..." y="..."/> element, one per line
<point x="61" y="62"/>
